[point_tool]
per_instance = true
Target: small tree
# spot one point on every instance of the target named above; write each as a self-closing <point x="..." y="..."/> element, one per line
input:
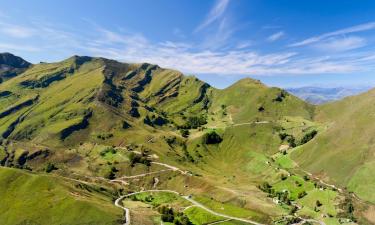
<point x="212" y="138"/>
<point x="308" y="136"/>
<point x="50" y="167"/>
<point x="302" y="194"/>
<point x="184" y="133"/>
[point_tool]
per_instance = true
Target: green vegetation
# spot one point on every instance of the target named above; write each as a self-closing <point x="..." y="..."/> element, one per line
<point x="97" y="119"/>
<point x="212" y="138"/>
<point x="50" y="167"/>
<point x="200" y="216"/>
<point x="177" y="218"/>
<point x="137" y="158"/>
<point x="59" y="202"/>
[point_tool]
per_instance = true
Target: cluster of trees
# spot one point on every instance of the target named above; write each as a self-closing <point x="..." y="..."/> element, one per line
<point x="155" y="120"/>
<point x="184" y="133"/>
<point x="288" y="138"/>
<point x="50" y="167"/>
<point x="111" y="173"/>
<point x="292" y="140"/>
<point x="169" y="215"/>
<point x="194" y="122"/>
<point x="282" y="196"/>
<point x="107" y="150"/>
<point x="212" y="138"/>
<point x="308" y="136"/>
<point x="139" y="158"/>
<point x="280" y="96"/>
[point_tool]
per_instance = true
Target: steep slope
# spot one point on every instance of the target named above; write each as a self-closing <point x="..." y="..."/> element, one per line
<point x="345" y="152"/>
<point x="249" y="99"/>
<point x="11" y="66"/>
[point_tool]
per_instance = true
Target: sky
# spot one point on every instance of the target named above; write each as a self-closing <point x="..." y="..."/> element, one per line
<point x="285" y="43"/>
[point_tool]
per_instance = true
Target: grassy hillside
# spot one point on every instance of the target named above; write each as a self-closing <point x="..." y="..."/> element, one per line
<point x="40" y="199"/>
<point x="344" y="153"/>
<point x="112" y="124"/>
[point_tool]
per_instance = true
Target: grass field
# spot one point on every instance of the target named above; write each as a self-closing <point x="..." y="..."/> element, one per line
<point x="56" y="201"/>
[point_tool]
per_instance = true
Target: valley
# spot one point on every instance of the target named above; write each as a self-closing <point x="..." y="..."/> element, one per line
<point x="95" y="141"/>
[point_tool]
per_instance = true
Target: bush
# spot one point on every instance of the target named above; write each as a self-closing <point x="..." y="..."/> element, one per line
<point x="136" y="158"/>
<point x="108" y="150"/>
<point x="283" y="136"/>
<point x="194" y="122"/>
<point x="212" y="138"/>
<point x="291" y="141"/>
<point x="302" y="194"/>
<point x="50" y="167"/>
<point x="307" y="137"/>
<point x="112" y="173"/>
<point x="184" y="133"/>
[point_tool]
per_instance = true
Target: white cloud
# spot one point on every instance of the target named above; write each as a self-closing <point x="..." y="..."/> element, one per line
<point x="349" y="30"/>
<point x="276" y="36"/>
<point x="244" y="44"/>
<point x="216" y="12"/>
<point x="16" y="31"/>
<point x="4" y="47"/>
<point x="341" y="44"/>
<point x="187" y="57"/>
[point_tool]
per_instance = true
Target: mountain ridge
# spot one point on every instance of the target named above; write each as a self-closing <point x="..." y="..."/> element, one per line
<point x="98" y="123"/>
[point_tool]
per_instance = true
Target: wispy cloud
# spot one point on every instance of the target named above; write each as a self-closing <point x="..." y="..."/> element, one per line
<point x="276" y="36"/>
<point x="17" y="47"/>
<point x="340" y="44"/>
<point x="187" y="57"/>
<point x="349" y="30"/>
<point x="216" y="13"/>
<point x="16" y="31"/>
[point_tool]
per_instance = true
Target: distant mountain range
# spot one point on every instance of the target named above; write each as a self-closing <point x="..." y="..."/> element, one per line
<point x="320" y="95"/>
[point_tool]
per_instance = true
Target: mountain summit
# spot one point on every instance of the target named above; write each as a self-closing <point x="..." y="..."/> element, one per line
<point x="11" y="65"/>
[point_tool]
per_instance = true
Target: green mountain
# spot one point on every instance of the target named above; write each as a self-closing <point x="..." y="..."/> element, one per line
<point x="11" y="65"/>
<point x="88" y="130"/>
<point x="344" y="153"/>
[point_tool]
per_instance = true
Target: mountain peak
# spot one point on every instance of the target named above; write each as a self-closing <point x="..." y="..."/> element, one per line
<point x="247" y="82"/>
<point x="10" y="60"/>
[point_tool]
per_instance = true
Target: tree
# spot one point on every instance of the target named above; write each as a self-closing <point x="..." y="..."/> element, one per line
<point x="291" y="141"/>
<point x="318" y="203"/>
<point x="212" y="138"/>
<point x="50" y="167"/>
<point x="307" y="137"/>
<point x="184" y="133"/>
<point x="302" y="194"/>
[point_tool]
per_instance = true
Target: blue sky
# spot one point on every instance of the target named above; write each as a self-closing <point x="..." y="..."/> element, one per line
<point x="284" y="43"/>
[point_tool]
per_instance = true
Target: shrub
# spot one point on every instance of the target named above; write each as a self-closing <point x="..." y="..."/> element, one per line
<point x="291" y="141"/>
<point x="302" y="194"/>
<point x="184" y="133"/>
<point x="136" y="158"/>
<point x="50" y="167"/>
<point x="212" y="138"/>
<point x="307" y="137"/>
<point x="283" y="136"/>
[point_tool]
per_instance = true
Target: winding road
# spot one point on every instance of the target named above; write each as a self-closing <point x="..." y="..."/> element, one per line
<point x="188" y="198"/>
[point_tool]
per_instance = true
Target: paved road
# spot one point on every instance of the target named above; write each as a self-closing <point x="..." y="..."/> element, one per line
<point x="195" y="203"/>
